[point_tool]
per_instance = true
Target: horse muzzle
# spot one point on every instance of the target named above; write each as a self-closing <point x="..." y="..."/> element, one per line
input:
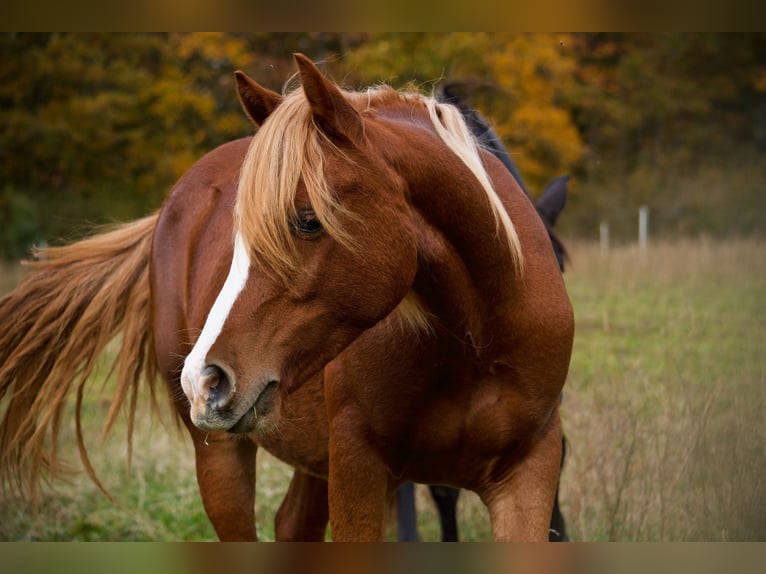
<point x="262" y="407"/>
<point x="217" y="407"/>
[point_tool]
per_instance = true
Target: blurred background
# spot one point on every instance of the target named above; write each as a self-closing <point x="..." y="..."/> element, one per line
<point x="97" y="127"/>
<point x="664" y="404"/>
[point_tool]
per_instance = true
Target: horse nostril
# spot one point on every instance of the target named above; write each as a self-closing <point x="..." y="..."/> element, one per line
<point x="218" y="385"/>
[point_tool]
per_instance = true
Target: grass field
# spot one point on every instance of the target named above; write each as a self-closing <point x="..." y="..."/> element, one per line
<point x="664" y="412"/>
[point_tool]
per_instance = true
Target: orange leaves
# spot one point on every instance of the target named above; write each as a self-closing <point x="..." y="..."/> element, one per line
<point x="549" y="143"/>
<point x="533" y="72"/>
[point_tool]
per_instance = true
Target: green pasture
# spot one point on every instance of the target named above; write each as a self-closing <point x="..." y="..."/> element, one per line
<point x="664" y="412"/>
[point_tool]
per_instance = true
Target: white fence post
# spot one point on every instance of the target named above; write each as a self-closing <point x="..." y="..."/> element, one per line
<point x="643" y="226"/>
<point x="603" y="235"/>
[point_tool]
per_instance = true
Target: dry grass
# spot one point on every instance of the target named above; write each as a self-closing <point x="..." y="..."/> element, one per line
<point x="664" y="405"/>
<point x="664" y="412"/>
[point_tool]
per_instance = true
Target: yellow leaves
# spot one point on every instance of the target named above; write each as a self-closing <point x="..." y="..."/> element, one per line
<point x="532" y="71"/>
<point x="212" y="47"/>
<point x="518" y="83"/>
<point x="420" y="58"/>
<point x="550" y="144"/>
<point x="172" y="102"/>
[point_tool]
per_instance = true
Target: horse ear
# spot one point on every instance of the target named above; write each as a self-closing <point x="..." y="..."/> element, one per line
<point x="332" y="112"/>
<point x="257" y="101"/>
<point x="553" y="199"/>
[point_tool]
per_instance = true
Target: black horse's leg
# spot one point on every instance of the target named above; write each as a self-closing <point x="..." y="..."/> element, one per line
<point x="445" y="498"/>
<point x="406" y="520"/>
<point x="557" y="531"/>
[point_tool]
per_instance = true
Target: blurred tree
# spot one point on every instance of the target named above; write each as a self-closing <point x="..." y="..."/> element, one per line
<point x="19" y="223"/>
<point x="417" y="59"/>
<point x="533" y="71"/>
<point x="655" y="108"/>
<point x="516" y="80"/>
<point x="99" y="126"/>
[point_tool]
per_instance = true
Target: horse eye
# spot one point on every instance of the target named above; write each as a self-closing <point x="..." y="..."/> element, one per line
<point x="307" y="222"/>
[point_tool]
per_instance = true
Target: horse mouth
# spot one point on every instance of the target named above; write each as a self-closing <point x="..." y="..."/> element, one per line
<point x="263" y="405"/>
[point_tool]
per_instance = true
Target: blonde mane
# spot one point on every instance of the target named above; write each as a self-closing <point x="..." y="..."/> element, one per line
<point x="288" y="148"/>
<point x="454" y="132"/>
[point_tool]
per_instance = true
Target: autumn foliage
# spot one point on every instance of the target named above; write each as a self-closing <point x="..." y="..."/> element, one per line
<point x="97" y="127"/>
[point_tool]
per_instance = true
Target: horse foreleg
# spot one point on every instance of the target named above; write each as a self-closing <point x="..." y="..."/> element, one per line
<point x="303" y="514"/>
<point x="226" y="479"/>
<point x="358" y="486"/>
<point x="520" y="504"/>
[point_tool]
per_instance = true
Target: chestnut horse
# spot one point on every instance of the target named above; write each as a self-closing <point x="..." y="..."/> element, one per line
<point x="404" y="319"/>
<point x="386" y="258"/>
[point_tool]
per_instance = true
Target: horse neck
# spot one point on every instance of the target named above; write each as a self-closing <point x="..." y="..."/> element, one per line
<point x="465" y="274"/>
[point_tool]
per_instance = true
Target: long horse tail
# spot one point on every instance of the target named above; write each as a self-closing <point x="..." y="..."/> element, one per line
<point x="54" y="327"/>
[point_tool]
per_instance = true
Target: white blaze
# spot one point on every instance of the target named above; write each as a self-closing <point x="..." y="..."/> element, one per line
<point x="195" y="361"/>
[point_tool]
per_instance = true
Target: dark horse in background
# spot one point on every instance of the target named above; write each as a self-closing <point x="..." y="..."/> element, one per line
<point x="549" y="206"/>
<point x="376" y="320"/>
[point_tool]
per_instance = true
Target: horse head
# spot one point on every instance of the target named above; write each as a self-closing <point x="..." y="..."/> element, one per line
<point x="313" y="205"/>
<point x="329" y="235"/>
